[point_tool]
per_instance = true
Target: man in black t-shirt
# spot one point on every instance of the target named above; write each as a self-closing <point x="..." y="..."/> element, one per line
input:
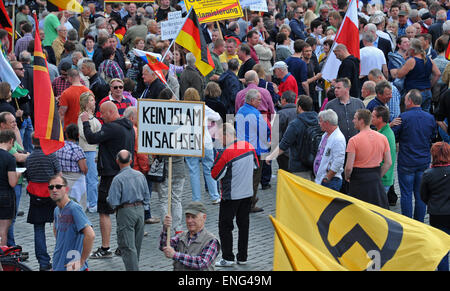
<point x="349" y="68"/>
<point x="247" y="61"/>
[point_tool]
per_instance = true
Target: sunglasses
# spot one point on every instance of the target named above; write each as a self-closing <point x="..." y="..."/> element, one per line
<point x="57" y="186"/>
<point x="117" y="87"/>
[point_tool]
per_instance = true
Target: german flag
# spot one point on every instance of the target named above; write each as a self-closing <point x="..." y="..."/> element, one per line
<point x="191" y="38"/>
<point x="5" y="21"/>
<point x="46" y="118"/>
<point x="60" y="5"/>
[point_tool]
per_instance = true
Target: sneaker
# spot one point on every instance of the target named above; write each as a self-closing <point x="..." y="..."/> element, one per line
<point x="101" y="254"/>
<point x="118" y="253"/>
<point x="242" y="262"/>
<point x="215" y="202"/>
<point x="92" y="209"/>
<point x="152" y="220"/>
<point x="224" y="263"/>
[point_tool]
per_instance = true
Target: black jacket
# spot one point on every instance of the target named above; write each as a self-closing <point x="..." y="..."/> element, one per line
<point x="292" y="139"/>
<point x="112" y="138"/>
<point x="434" y="190"/>
<point x="349" y="68"/>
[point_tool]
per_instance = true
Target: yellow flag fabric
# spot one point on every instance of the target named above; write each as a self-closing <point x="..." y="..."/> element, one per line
<point x="355" y="234"/>
<point x="70" y="5"/>
<point x="302" y="255"/>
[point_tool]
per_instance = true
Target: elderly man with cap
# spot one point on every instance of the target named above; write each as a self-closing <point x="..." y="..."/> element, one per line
<point x="197" y="248"/>
<point x="288" y="82"/>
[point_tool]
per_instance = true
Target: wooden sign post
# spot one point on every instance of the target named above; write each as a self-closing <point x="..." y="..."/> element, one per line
<point x="171" y="128"/>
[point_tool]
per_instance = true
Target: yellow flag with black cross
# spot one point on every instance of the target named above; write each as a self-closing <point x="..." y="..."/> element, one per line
<point x="354" y="234"/>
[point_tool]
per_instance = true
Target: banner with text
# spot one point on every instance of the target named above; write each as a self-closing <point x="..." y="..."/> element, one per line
<point x="215" y="10"/>
<point x="171" y="127"/>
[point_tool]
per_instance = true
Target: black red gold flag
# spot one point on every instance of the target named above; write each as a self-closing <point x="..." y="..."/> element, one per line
<point x="46" y="118"/>
<point x="191" y="38"/>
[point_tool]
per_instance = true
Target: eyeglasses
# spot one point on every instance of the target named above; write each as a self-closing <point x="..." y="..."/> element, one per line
<point x="57" y="186"/>
<point x="117" y="87"/>
<point x="21" y="69"/>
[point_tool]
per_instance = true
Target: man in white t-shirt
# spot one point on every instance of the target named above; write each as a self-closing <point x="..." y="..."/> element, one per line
<point x="371" y="57"/>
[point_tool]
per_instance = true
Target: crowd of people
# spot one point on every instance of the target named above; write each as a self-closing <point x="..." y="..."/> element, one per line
<point x="265" y="99"/>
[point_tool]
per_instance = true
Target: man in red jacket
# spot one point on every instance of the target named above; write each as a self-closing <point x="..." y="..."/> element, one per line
<point x="288" y="82"/>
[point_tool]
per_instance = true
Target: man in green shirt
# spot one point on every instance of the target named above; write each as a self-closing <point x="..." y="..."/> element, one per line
<point x="219" y="48"/>
<point x="51" y="23"/>
<point x="380" y="119"/>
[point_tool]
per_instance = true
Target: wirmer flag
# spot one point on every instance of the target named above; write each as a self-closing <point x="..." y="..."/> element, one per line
<point x="319" y="225"/>
<point x="191" y="38"/>
<point x="60" y="5"/>
<point x="46" y="118"/>
<point x="154" y="62"/>
<point x="348" y="35"/>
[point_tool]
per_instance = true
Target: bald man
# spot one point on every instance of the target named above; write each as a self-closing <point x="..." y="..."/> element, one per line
<point x="128" y="195"/>
<point x="116" y="134"/>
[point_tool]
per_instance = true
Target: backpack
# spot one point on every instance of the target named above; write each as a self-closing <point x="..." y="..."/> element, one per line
<point x="310" y="144"/>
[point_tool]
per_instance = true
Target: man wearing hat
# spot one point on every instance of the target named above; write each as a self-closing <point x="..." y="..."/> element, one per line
<point x="288" y="82"/>
<point x="402" y="23"/>
<point x="193" y="250"/>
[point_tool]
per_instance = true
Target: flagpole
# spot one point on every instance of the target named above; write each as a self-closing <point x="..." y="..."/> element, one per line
<point x="173" y="40"/>
<point x="336" y="37"/>
<point x="13" y="26"/>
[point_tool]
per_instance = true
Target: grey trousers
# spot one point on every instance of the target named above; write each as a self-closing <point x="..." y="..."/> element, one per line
<point x="130" y="233"/>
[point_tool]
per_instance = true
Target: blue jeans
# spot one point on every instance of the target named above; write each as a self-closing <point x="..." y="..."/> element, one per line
<point x="409" y="179"/>
<point x="40" y="246"/>
<point x="426" y="100"/>
<point x="11" y="242"/>
<point x="193" y="164"/>
<point x="335" y="184"/>
<point x="25" y="132"/>
<point x="91" y="179"/>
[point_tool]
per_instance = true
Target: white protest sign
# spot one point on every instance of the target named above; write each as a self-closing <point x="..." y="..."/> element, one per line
<point x="170" y="28"/>
<point x="261" y="6"/>
<point x="174" y="15"/>
<point x="247" y="3"/>
<point x="171" y="127"/>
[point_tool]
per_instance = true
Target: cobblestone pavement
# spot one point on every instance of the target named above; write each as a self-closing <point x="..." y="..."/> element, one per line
<point x="260" y="254"/>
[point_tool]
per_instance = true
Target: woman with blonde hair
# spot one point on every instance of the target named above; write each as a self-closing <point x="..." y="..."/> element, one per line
<point x="417" y="71"/>
<point x="87" y="104"/>
<point x="207" y="161"/>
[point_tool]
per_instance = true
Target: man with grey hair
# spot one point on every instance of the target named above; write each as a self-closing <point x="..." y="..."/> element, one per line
<point x="368" y="92"/>
<point x="252" y="80"/>
<point x="153" y="84"/>
<point x="253" y="128"/>
<point x="371" y="57"/>
<point x="414" y="135"/>
<point x="379" y="42"/>
<point x="128" y="195"/>
<point x="436" y="29"/>
<point x="329" y="162"/>
<point x="58" y="43"/>
<point x="191" y="77"/>
<point x="384" y="95"/>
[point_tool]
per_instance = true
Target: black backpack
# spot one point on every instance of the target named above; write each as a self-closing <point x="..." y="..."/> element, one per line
<point x="310" y="144"/>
